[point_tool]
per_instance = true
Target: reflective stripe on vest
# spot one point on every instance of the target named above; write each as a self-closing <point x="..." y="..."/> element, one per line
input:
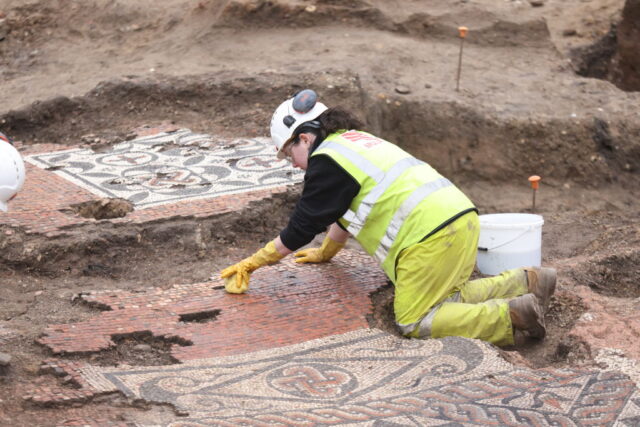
<point x="358" y="219"/>
<point x="405" y="210"/>
<point x="395" y="188"/>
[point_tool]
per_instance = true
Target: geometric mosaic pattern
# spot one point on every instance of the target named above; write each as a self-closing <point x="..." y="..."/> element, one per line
<point x="172" y="166"/>
<point x="369" y="377"/>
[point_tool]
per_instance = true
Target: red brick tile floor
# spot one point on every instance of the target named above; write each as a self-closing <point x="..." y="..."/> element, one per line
<point x="287" y="303"/>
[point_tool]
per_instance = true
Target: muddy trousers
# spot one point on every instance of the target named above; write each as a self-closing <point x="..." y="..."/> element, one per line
<point x="435" y="298"/>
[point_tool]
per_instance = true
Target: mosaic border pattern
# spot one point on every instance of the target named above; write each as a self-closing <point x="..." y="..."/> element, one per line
<point x="373" y="378"/>
<point x="171" y="167"/>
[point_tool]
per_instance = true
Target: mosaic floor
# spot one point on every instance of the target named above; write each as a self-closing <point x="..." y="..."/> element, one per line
<point x="369" y="377"/>
<point x="171" y="167"/>
<point x="295" y="350"/>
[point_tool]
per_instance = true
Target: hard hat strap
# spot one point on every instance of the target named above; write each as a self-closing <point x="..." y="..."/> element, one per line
<point x="313" y="126"/>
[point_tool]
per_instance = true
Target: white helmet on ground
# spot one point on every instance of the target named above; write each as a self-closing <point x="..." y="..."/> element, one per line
<point x="11" y="172"/>
<point x="303" y="108"/>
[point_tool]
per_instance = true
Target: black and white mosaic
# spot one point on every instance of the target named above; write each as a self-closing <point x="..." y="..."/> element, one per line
<point x="171" y="167"/>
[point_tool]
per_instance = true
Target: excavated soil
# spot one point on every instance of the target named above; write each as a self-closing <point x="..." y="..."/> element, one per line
<point x="92" y="72"/>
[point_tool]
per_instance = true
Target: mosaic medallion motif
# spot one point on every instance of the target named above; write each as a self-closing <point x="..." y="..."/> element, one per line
<point x="172" y="166"/>
<point x="313" y="380"/>
<point x="372" y="378"/>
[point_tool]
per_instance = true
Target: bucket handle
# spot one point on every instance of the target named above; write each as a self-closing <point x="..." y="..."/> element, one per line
<point x="483" y="249"/>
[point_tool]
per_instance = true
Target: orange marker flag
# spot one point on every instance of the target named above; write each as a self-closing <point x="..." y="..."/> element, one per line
<point x="535" y="184"/>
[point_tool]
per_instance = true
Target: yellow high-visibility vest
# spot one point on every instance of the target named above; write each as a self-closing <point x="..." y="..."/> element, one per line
<point x="401" y="200"/>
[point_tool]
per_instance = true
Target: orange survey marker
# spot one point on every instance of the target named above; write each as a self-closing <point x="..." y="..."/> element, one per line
<point x="462" y="32"/>
<point x="535" y="184"/>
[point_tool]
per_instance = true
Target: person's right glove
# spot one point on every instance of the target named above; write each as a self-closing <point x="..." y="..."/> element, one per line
<point x="237" y="276"/>
<point x="322" y="254"/>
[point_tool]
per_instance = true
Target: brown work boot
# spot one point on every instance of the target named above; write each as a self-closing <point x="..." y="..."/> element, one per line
<point x="542" y="283"/>
<point x="527" y="315"/>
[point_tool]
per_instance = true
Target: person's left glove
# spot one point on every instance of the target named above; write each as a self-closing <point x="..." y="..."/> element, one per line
<point x="237" y="276"/>
<point x="322" y="254"/>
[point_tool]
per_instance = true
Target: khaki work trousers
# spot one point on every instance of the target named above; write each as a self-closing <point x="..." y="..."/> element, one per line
<point x="433" y="290"/>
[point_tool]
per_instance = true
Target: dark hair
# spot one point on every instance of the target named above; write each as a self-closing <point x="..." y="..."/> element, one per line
<point x="336" y="119"/>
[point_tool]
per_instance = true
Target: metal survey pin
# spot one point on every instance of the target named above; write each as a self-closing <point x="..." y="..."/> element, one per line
<point x="462" y="32"/>
<point x="535" y="183"/>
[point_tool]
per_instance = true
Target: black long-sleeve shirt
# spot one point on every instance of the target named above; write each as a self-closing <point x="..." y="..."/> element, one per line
<point x="326" y="196"/>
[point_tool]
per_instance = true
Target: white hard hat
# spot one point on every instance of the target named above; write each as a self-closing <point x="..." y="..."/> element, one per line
<point x="302" y="108"/>
<point x="11" y="172"/>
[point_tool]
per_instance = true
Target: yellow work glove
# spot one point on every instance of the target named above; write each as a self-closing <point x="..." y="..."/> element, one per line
<point x="237" y="276"/>
<point x="322" y="254"/>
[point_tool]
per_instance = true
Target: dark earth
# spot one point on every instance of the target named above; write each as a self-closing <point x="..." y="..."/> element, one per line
<point x="547" y="88"/>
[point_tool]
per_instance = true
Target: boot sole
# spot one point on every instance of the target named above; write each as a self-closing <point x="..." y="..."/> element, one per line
<point x="547" y="278"/>
<point x="529" y="318"/>
<point x="540" y="330"/>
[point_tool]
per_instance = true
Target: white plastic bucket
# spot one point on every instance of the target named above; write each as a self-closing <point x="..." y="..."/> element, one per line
<point x="509" y="240"/>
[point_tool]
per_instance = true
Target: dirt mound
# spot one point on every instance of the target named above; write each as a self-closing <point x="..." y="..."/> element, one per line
<point x="103" y="208"/>
<point x="625" y="71"/>
<point x="25" y="23"/>
<point x="467" y="142"/>
<point x="615" y="56"/>
<point x="616" y="275"/>
<point x="494" y="32"/>
<point x="223" y="105"/>
<point x="106" y="249"/>
<point x="594" y="60"/>
<point x="136" y="349"/>
<point x="269" y="13"/>
<point x="478" y="143"/>
<point x="489" y="29"/>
